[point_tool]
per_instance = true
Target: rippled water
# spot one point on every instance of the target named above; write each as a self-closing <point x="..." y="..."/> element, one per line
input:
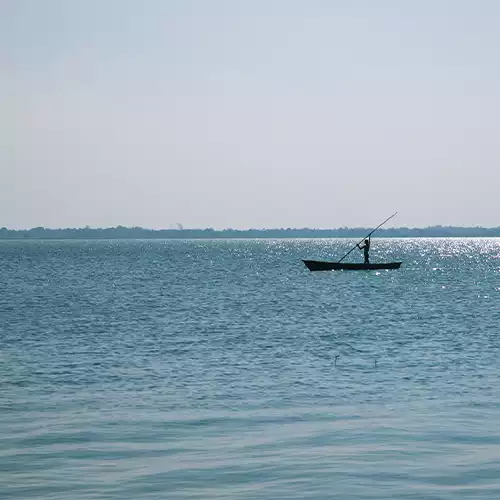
<point x="207" y="369"/>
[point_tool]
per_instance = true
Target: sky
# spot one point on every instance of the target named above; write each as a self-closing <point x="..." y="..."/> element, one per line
<point x="249" y="113"/>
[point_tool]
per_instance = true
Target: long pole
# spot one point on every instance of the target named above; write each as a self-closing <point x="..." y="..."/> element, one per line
<point x="367" y="236"/>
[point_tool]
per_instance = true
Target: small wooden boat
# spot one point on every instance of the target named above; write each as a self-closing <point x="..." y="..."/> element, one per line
<point x="321" y="265"/>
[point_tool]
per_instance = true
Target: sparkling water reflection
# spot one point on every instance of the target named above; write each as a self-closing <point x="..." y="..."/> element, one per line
<point x="225" y="369"/>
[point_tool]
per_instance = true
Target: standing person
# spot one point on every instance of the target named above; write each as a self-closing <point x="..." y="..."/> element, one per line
<point x="366" y="249"/>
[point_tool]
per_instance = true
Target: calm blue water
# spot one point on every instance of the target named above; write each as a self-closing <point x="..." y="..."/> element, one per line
<point x="206" y="369"/>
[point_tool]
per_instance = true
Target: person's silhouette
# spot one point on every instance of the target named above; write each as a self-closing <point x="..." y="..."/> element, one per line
<point x="366" y="249"/>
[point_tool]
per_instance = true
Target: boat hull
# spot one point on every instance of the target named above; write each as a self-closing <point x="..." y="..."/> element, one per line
<point x="320" y="265"/>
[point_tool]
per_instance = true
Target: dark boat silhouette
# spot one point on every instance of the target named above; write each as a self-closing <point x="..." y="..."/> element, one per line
<point x="321" y="265"/>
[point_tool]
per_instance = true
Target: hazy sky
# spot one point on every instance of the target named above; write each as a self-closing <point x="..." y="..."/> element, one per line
<point x="249" y="113"/>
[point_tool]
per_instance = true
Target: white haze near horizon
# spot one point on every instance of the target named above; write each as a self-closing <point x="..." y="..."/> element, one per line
<point x="249" y="113"/>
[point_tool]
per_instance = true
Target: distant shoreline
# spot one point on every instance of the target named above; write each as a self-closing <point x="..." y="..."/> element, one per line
<point x="121" y="232"/>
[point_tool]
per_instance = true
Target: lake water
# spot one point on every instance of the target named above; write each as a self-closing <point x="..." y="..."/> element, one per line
<point x="224" y="369"/>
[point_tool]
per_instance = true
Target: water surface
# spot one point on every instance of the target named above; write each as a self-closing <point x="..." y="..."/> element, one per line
<point x="224" y="369"/>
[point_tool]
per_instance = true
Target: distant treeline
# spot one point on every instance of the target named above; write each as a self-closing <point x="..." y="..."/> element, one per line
<point x="121" y="232"/>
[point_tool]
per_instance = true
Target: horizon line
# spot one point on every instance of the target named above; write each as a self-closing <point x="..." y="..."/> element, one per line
<point x="261" y="229"/>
